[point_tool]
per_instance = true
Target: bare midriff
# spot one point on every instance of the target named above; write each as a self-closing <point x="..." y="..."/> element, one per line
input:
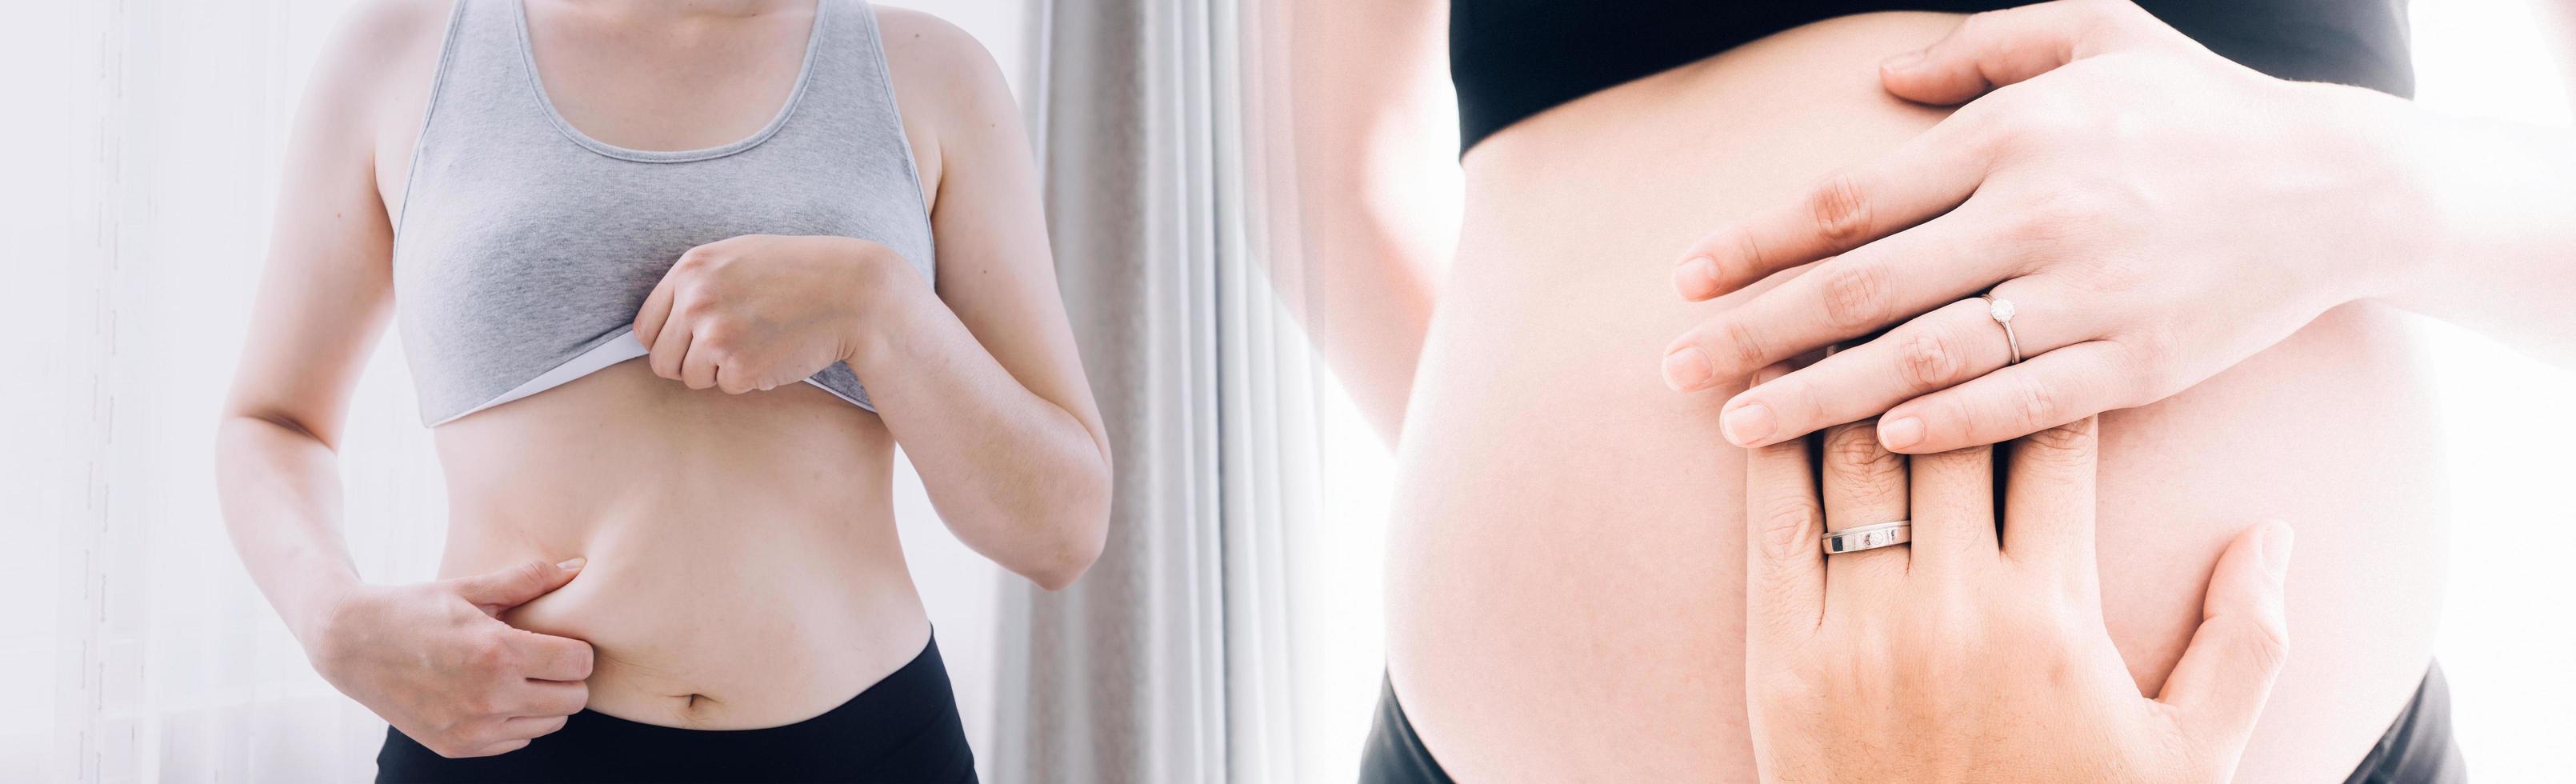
<point x="743" y="565"/>
<point x="1566" y="565"/>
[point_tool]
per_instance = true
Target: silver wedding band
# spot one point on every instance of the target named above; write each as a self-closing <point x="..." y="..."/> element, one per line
<point x="1869" y="537"/>
<point x="2001" y="310"/>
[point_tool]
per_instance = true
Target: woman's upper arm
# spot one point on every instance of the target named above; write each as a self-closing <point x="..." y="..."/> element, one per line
<point x="326" y="288"/>
<point x="995" y="268"/>
<point x="1374" y="134"/>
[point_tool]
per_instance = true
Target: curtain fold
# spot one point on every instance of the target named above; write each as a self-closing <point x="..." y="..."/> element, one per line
<point x="1168" y="661"/>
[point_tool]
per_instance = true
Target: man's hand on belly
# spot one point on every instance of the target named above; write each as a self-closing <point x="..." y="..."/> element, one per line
<point x="436" y="662"/>
<point x="1974" y="655"/>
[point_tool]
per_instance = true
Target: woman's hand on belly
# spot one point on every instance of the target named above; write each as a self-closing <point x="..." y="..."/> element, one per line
<point x="1960" y="657"/>
<point x="761" y="311"/>
<point x="2153" y="212"/>
<point x="434" y="660"/>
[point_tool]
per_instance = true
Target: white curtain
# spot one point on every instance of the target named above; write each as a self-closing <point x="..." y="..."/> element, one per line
<point x="150" y="159"/>
<point x="1182" y="657"/>
<point x="135" y="199"/>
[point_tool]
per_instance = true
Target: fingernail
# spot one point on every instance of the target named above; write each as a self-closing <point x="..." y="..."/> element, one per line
<point x="2275" y="551"/>
<point x="573" y="565"/>
<point x="1900" y="433"/>
<point x="1696" y="277"/>
<point x="1687" y="369"/>
<point x="1902" y="61"/>
<point x="1748" y="425"/>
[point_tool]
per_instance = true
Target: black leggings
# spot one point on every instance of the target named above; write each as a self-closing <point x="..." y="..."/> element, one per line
<point x="903" y="729"/>
<point x="2417" y="749"/>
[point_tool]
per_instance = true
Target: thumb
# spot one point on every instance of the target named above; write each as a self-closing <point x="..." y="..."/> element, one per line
<point x="2225" y="676"/>
<point x="1997" y="48"/>
<point x="500" y="590"/>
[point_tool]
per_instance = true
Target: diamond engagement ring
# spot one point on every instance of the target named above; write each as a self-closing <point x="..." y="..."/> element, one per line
<point x="2001" y="310"/>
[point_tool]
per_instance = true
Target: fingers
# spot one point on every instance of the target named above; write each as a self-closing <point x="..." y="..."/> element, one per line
<point x="2226" y="674"/>
<point x="1998" y="48"/>
<point x="698" y="369"/>
<point x="1784" y="568"/>
<point x="2048" y="502"/>
<point x="551" y="658"/>
<point x="1863" y="485"/>
<point x="655" y="313"/>
<point x="503" y="589"/>
<point x="669" y="348"/>
<point x="1952" y="495"/>
<point x="542" y="699"/>
<point x="521" y="729"/>
<point x="2051" y="389"/>
<point x="1855" y="294"/>
<point x="1930" y="353"/>
<point x="1923" y="177"/>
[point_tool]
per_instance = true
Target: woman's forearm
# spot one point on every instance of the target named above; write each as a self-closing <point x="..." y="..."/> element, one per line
<point x="1018" y="477"/>
<point x="281" y="501"/>
<point x="2500" y="201"/>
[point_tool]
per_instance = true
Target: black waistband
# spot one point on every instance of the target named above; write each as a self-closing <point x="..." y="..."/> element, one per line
<point x="2417" y="749"/>
<point x="904" y="728"/>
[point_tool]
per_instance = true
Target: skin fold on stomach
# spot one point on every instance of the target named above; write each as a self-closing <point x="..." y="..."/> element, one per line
<point x="743" y="565"/>
<point x="1565" y="593"/>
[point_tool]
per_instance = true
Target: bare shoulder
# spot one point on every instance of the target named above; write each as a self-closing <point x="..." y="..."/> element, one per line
<point x="380" y="47"/>
<point x="368" y="92"/>
<point x="941" y="73"/>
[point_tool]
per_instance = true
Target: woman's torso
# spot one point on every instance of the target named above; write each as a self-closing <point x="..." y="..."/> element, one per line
<point x="743" y="565"/>
<point x="1564" y="595"/>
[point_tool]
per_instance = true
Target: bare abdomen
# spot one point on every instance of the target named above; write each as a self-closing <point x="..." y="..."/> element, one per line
<point x="744" y="570"/>
<point x="1567" y="563"/>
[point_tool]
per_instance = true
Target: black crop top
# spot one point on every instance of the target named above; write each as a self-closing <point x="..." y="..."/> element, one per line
<point x="1515" y="58"/>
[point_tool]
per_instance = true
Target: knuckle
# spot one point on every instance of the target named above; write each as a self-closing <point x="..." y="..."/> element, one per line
<point x="1738" y="344"/>
<point x="2145" y="356"/>
<point x="1928" y="362"/>
<point x="532" y="575"/>
<point x="1855" y="295"/>
<point x="1748" y="252"/>
<point x="1853" y="456"/>
<point x="2267" y="643"/>
<point x="489" y="655"/>
<point x="2031" y="402"/>
<point x="1786" y="523"/>
<point x="2063" y="441"/>
<point x="1841" y="210"/>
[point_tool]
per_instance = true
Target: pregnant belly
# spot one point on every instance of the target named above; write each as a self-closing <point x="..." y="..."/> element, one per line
<point x="743" y="566"/>
<point x="1565" y="589"/>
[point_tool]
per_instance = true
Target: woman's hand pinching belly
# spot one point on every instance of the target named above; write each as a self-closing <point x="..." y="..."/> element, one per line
<point x="434" y="660"/>
<point x="2153" y="212"/>
<point x="760" y="311"/>
<point x="1972" y="656"/>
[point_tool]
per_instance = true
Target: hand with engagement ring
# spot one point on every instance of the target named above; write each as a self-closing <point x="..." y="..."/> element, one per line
<point x="1968" y="655"/>
<point x="2056" y="197"/>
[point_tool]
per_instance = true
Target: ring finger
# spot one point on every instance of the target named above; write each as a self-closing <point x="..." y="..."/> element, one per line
<point x="1930" y="353"/>
<point x="1863" y="484"/>
<point x="1841" y="298"/>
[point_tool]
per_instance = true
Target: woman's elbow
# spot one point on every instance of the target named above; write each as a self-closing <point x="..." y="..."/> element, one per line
<point x="1079" y="522"/>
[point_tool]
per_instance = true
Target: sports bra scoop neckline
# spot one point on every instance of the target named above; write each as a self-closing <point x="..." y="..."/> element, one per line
<point x="524" y="247"/>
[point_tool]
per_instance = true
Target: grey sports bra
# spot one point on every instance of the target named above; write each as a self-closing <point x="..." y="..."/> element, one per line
<point x="524" y="248"/>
